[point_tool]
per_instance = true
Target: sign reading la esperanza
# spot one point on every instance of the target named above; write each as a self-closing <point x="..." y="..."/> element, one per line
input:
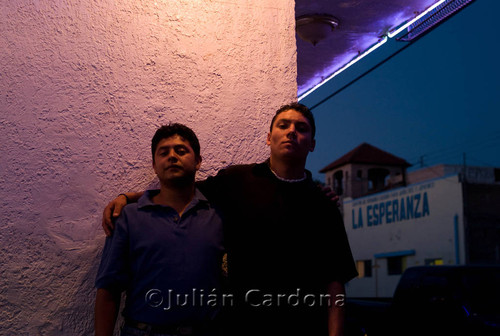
<point x="401" y="205"/>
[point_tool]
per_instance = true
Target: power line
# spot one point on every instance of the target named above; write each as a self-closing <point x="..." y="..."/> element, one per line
<point x="456" y="151"/>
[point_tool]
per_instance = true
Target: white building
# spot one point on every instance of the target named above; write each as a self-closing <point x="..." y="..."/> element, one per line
<point x="432" y="216"/>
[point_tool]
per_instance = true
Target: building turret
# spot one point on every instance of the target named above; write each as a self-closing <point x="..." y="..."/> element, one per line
<point x="364" y="170"/>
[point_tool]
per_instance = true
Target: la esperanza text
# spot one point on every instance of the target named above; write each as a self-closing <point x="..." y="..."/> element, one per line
<point x="391" y="211"/>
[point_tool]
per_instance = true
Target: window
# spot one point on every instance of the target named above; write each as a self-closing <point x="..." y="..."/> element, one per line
<point x="395" y="265"/>
<point x="359" y="174"/>
<point x="364" y="268"/>
<point x="433" y="262"/>
<point x="377" y="178"/>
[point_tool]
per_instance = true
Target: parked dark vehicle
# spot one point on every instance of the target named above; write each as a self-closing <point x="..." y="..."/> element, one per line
<point x="433" y="300"/>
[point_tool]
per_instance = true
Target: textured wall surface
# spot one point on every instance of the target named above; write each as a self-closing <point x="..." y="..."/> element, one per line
<point x="83" y="87"/>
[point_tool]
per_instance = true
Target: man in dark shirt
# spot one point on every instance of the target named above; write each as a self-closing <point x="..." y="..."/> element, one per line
<point x="288" y="253"/>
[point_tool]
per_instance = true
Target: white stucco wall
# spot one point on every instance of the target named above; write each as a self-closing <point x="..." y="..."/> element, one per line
<point x="430" y="230"/>
<point x="83" y="87"/>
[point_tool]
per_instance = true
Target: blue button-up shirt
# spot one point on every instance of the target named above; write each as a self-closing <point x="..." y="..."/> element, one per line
<point x="170" y="266"/>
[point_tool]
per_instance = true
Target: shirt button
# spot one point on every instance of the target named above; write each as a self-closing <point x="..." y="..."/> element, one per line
<point x="176" y="218"/>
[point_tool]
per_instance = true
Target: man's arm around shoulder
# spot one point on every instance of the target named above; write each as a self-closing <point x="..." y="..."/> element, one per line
<point x="114" y="208"/>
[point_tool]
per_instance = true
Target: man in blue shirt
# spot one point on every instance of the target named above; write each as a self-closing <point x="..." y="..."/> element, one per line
<point x="166" y="251"/>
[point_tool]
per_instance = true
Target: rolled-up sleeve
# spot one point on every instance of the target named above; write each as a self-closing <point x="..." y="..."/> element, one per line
<point x="114" y="269"/>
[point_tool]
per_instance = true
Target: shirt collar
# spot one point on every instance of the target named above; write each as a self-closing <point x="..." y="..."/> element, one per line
<point x="146" y="198"/>
<point x="264" y="168"/>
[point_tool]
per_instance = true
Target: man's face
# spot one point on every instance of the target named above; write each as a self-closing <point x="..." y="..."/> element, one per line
<point x="291" y="136"/>
<point x="175" y="160"/>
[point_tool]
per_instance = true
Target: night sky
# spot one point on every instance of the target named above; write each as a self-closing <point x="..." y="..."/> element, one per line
<point x="434" y="101"/>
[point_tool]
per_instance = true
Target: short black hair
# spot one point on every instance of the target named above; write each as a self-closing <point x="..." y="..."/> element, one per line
<point x="302" y="109"/>
<point x="167" y="131"/>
